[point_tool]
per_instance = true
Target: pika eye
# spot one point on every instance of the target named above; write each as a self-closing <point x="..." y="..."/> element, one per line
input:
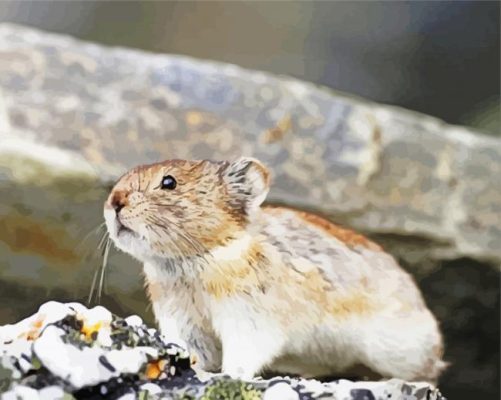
<point x="168" y="182"/>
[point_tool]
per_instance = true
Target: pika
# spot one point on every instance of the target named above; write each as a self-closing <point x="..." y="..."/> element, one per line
<point x="251" y="288"/>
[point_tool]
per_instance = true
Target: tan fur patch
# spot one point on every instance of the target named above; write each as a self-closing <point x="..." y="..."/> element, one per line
<point x="155" y="291"/>
<point x="226" y="278"/>
<point x="220" y="286"/>
<point x="229" y="278"/>
<point x="345" y="235"/>
<point x="317" y="288"/>
<point x="354" y="304"/>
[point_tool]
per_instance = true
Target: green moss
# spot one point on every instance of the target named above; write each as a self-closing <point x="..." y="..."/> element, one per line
<point x="5" y="379"/>
<point x="143" y="395"/>
<point x="231" y="390"/>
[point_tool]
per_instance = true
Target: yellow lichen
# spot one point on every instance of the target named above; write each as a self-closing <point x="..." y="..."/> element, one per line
<point x="155" y="368"/>
<point x="88" y="330"/>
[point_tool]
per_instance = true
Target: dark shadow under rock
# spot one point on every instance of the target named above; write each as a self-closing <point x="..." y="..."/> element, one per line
<point x="464" y="295"/>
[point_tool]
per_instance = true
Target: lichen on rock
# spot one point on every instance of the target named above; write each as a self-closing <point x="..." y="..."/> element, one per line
<point x="67" y="351"/>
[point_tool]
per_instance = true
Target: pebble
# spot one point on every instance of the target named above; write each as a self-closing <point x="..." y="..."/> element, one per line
<point x="152" y="388"/>
<point x="104" y="337"/>
<point x="280" y="391"/>
<point x="130" y="360"/>
<point x="95" y="316"/>
<point x="134" y="320"/>
<point x="51" y="393"/>
<point x="21" y="392"/>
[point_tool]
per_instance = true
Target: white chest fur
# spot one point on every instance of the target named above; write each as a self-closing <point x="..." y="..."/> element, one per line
<point x="181" y="312"/>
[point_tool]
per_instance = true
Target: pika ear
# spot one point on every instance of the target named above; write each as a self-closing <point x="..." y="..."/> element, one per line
<point x="248" y="180"/>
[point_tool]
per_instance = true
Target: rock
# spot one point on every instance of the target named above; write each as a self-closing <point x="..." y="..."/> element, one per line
<point x="67" y="361"/>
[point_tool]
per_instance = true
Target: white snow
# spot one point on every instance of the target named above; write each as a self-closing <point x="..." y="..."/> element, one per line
<point x="134" y="320"/>
<point x="280" y="391"/>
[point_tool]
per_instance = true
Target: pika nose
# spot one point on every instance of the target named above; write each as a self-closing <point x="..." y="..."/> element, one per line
<point x="119" y="200"/>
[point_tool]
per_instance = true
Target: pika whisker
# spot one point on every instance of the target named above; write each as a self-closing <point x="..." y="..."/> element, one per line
<point x="159" y="229"/>
<point x="103" y="240"/>
<point x="93" y="231"/>
<point x="166" y="224"/>
<point x="185" y="237"/>
<point x="87" y="253"/>
<point x="105" y="243"/>
<point x="103" y="269"/>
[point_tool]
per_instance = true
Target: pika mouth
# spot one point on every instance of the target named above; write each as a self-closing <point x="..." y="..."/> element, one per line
<point x="116" y="228"/>
<point x="122" y="229"/>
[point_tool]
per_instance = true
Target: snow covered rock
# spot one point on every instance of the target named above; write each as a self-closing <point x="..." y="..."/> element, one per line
<point x="67" y="351"/>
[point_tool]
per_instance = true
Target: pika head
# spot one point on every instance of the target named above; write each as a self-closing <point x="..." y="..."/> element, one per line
<point x="182" y="209"/>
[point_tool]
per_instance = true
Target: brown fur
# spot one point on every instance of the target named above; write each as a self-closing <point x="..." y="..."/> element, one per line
<point x="312" y="285"/>
<point x="234" y="276"/>
<point x="345" y="235"/>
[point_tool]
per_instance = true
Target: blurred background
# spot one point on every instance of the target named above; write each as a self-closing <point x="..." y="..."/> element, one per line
<point x="436" y="57"/>
<point x="441" y="58"/>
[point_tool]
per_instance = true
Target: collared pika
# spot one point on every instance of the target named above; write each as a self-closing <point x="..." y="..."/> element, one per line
<point x="252" y="289"/>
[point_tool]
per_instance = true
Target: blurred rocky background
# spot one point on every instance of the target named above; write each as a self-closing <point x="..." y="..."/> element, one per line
<point x="437" y="57"/>
<point x="74" y="116"/>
